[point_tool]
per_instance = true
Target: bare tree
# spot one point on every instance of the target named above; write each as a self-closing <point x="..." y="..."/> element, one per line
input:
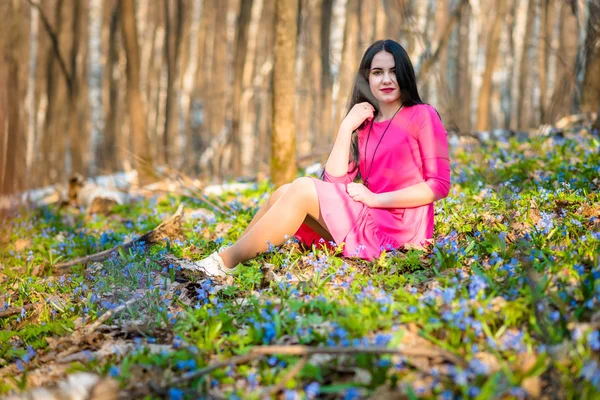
<point x="349" y="59"/>
<point x="523" y="67"/>
<point x="326" y="78"/>
<point x="561" y="100"/>
<point x="543" y="54"/>
<point x="135" y="106"/>
<point x="173" y="36"/>
<point x="591" y="80"/>
<point x="483" y="111"/>
<point x="239" y="63"/>
<point x="283" y="141"/>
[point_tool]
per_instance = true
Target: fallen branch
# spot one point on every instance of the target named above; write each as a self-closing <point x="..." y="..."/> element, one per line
<point x="290" y="375"/>
<point x="307" y="351"/>
<point x="15" y="310"/>
<point x="109" y="314"/>
<point x="170" y="228"/>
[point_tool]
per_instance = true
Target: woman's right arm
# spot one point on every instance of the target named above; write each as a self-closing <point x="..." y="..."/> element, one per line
<point x="336" y="167"/>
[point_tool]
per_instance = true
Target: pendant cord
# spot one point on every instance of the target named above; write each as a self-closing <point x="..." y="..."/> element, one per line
<point x="366" y="181"/>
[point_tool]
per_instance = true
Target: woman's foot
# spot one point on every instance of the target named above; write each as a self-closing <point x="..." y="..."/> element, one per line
<point x="210" y="266"/>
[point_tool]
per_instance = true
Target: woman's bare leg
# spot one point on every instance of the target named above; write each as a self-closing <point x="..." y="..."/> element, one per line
<point x="311" y="222"/>
<point x="281" y="219"/>
<point x="265" y="207"/>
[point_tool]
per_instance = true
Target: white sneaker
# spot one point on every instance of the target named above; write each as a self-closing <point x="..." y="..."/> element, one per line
<point x="210" y="266"/>
<point x="223" y="248"/>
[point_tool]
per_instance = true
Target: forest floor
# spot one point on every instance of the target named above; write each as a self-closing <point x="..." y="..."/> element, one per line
<point x="506" y="304"/>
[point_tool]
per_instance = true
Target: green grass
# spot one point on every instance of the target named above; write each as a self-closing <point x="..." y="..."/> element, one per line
<point x="511" y="287"/>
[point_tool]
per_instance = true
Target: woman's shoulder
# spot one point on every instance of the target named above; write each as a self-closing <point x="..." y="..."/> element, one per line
<point x="423" y="110"/>
<point x="423" y="114"/>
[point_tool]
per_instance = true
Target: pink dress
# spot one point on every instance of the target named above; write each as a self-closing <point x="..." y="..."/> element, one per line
<point x="414" y="150"/>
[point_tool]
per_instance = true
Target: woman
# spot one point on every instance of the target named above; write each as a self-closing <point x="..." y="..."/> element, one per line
<point x="398" y="146"/>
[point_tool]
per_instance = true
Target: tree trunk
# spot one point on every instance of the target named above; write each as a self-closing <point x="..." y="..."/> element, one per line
<point x="462" y="75"/>
<point x="32" y="148"/>
<point x="108" y="155"/>
<point x="523" y="68"/>
<point x="135" y="106"/>
<point x="239" y="63"/>
<point x="591" y="80"/>
<point x="218" y="85"/>
<point x="543" y="45"/>
<point x="326" y="78"/>
<point x="76" y="134"/>
<point x="350" y="60"/>
<point x="442" y="42"/>
<point x="94" y="78"/>
<point x="562" y="96"/>
<point x="173" y="30"/>
<point x="12" y="177"/>
<point x="189" y="68"/>
<point x="253" y="79"/>
<point x="483" y="111"/>
<point x="283" y="142"/>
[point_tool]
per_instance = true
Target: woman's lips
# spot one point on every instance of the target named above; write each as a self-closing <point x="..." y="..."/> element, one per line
<point x="387" y="90"/>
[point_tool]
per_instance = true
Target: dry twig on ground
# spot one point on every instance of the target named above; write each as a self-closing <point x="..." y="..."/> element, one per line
<point x="170" y="228"/>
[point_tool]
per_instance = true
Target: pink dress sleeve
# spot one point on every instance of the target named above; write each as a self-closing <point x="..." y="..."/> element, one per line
<point x="349" y="177"/>
<point x="433" y="145"/>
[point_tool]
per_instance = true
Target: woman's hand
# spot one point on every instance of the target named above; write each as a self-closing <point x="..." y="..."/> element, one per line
<point x="357" y="115"/>
<point x="359" y="192"/>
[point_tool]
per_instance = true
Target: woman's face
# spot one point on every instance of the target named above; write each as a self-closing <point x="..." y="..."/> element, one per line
<point x="382" y="79"/>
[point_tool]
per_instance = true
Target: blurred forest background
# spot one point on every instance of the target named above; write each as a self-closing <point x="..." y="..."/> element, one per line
<point x="100" y="86"/>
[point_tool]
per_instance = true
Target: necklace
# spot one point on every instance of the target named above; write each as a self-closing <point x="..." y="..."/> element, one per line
<point x="366" y="181"/>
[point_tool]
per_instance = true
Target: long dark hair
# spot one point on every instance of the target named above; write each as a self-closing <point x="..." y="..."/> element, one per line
<point x="405" y="75"/>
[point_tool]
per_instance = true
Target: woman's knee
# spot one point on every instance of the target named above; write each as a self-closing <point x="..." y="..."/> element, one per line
<point x="280" y="191"/>
<point x="303" y="188"/>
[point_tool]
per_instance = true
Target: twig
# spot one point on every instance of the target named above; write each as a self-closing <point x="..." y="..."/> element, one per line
<point x="188" y="184"/>
<point x="148" y="237"/>
<point x="109" y="314"/>
<point x="290" y="375"/>
<point x="306" y="351"/>
<point x="15" y="310"/>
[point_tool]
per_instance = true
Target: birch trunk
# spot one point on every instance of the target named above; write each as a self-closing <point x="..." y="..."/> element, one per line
<point x="95" y="71"/>
<point x="32" y="133"/>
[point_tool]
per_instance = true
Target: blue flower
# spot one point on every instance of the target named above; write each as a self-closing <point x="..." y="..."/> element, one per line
<point x="477" y="367"/>
<point x="448" y="295"/>
<point x="114" y="371"/>
<point x="175" y="394"/>
<point x="312" y="390"/>
<point x="593" y="339"/>
<point x="476" y="285"/>
<point x="351" y="394"/>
